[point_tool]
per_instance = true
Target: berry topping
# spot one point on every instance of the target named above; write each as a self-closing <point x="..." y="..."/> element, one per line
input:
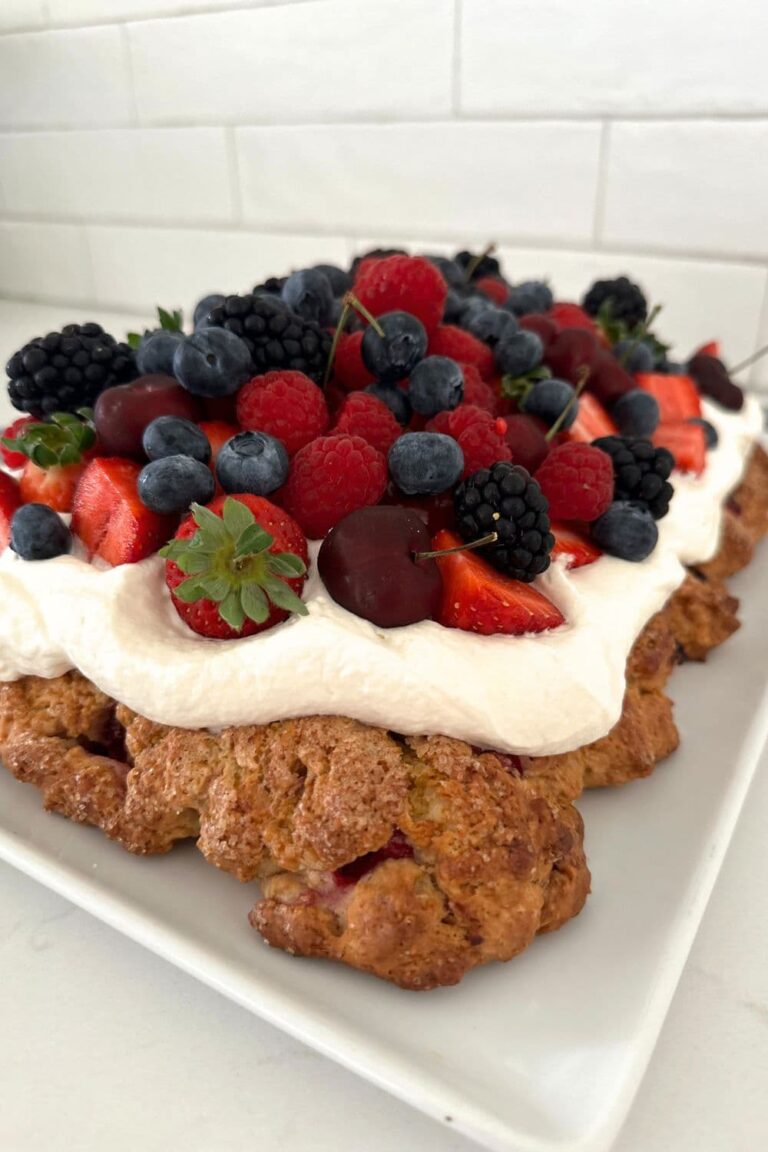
<point x="173" y="483"/>
<point x="10" y="499"/>
<point x="109" y="517"/>
<point x="236" y="567"/>
<point x="54" y="486"/>
<point x="287" y="405"/>
<point x="425" y="463"/>
<point x="627" y="530"/>
<point x="38" y="533"/>
<point x="505" y="500"/>
<point x="641" y="472"/>
<point x="571" y="352"/>
<point x="275" y="336"/>
<point x="349" y="371"/>
<point x="491" y="325"/>
<point x="309" y="294"/>
<point x="11" y="457"/>
<point x="545" y="328"/>
<point x="710" y="432"/>
<point x="363" y="414"/>
<point x="577" y="549"/>
<point x="687" y="442"/>
<point x="518" y="353"/>
<point x="480" y="437"/>
<point x="478" y="598"/>
<point x="331" y="477"/>
<point x="527" y="441"/>
<point x="530" y="296"/>
<point x="618" y="300"/>
<point x="476" y="266"/>
<point x="436" y="384"/>
<point x="67" y="370"/>
<point x="608" y="379"/>
<point x="494" y="287"/>
<point x="447" y="340"/>
<point x="634" y="355"/>
<point x="477" y="391"/>
<point x="552" y="400"/>
<point x="712" y="380"/>
<point x="636" y="413"/>
<point x="339" y="280"/>
<point x="64" y="439"/>
<point x="591" y="421"/>
<point x="577" y="480"/>
<point x="175" y="436"/>
<point x="122" y="413"/>
<point x="392" y="347"/>
<point x="212" y="362"/>
<point x="394" y="398"/>
<point x="252" y="462"/>
<point x="155" y="350"/>
<point x="403" y="284"/>
<point x="568" y="315"/>
<point x="369" y="564"/>
<point x="204" y="307"/>
<point x="677" y="396"/>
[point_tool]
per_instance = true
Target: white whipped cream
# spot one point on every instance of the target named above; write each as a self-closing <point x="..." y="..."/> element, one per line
<point x="527" y="694"/>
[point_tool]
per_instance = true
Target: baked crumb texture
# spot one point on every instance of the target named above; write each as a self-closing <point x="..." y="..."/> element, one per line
<point x="413" y="858"/>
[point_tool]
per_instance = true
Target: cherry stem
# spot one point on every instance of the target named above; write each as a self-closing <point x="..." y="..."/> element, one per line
<point x="640" y="332"/>
<point x="749" y="360"/>
<point x="350" y="298"/>
<point x="581" y="382"/>
<point x="476" y="261"/>
<point x="346" y="308"/>
<point x="491" y="538"/>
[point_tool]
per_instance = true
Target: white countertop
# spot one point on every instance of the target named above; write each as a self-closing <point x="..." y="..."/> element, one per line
<point x="105" y="1046"/>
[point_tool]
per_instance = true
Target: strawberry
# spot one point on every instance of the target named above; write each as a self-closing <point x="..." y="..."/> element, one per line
<point x="218" y="432"/>
<point x="591" y="421"/>
<point x="678" y="397"/>
<point x="109" y="517"/>
<point x="13" y="459"/>
<point x="10" y="500"/>
<point x="477" y="598"/>
<point x="53" y="486"/>
<point x="574" y="545"/>
<point x="236" y="567"/>
<point x="686" y="442"/>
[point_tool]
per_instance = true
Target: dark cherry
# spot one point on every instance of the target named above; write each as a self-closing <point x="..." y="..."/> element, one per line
<point x="122" y="413"/>
<point x="571" y="350"/>
<point x="712" y="380"/>
<point x="368" y="565"/>
<point x="437" y="512"/>
<point x="609" y="379"/>
<point x="526" y="436"/>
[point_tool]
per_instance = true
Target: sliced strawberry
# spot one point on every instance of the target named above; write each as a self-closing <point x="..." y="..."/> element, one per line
<point x="678" y="397"/>
<point x="218" y="432"/>
<point x="591" y="421"/>
<point x="477" y="598"/>
<point x="109" y="517"/>
<point x="686" y="442"/>
<point x="576" y="546"/>
<point x="10" y="499"/>
<point x="13" y="459"/>
<point x="53" y="486"/>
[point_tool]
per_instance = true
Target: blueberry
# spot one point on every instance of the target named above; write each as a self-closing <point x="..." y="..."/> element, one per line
<point x="204" y="307"/>
<point x="518" y="353"/>
<point x="634" y="355"/>
<point x="425" y="463"/>
<point x="626" y="530"/>
<point x="490" y="325"/>
<point x="338" y="278"/>
<point x="449" y="270"/>
<point x="309" y="294"/>
<point x="710" y="432"/>
<point x="394" y="398"/>
<point x="212" y="362"/>
<point x="38" y="533"/>
<point x="455" y="303"/>
<point x="530" y="296"/>
<point x="548" y="399"/>
<point x="636" y="413"/>
<point x="437" y="384"/>
<point x="395" y="354"/>
<point x="173" y="483"/>
<point x="156" y="351"/>
<point x="252" y="462"/>
<point x="175" y="436"/>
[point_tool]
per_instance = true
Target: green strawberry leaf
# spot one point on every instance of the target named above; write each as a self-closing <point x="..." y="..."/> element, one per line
<point x="170" y="321"/>
<point x="61" y="440"/>
<point x="253" y="541"/>
<point x="237" y="517"/>
<point x="254" y="603"/>
<point x="133" y="340"/>
<point x="286" y="564"/>
<point x="284" y="597"/>
<point x="231" y="610"/>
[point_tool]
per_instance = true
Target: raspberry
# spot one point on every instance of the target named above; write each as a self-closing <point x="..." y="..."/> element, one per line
<point x="349" y="371"/>
<point x="457" y="421"/>
<point x="480" y="437"/>
<point x="495" y="288"/>
<point x="363" y="415"/>
<point x="476" y="391"/>
<point x="331" y="477"/>
<point x="403" y="284"/>
<point x="448" y="340"/>
<point x="577" y="479"/>
<point x="285" y="404"/>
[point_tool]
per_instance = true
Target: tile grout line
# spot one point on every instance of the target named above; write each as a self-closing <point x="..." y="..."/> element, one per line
<point x="603" y="155"/>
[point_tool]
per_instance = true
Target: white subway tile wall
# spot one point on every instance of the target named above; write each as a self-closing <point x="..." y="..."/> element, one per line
<point x="154" y="150"/>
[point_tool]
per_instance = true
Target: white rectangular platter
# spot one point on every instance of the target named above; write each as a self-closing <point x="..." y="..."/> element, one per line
<point x="539" y="1055"/>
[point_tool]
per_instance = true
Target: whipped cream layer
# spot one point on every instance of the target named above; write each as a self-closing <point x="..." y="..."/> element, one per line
<point x="527" y="694"/>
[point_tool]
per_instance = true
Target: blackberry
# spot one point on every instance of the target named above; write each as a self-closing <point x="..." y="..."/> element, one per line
<point x="641" y="471"/>
<point x="623" y="300"/>
<point x="275" y="336"/>
<point x="504" y="499"/>
<point x="272" y="286"/>
<point x="486" y="266"/>
<point x="67" y="370"/>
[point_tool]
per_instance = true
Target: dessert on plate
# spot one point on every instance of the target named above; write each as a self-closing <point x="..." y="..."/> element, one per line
<point x="360" y="582"/>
